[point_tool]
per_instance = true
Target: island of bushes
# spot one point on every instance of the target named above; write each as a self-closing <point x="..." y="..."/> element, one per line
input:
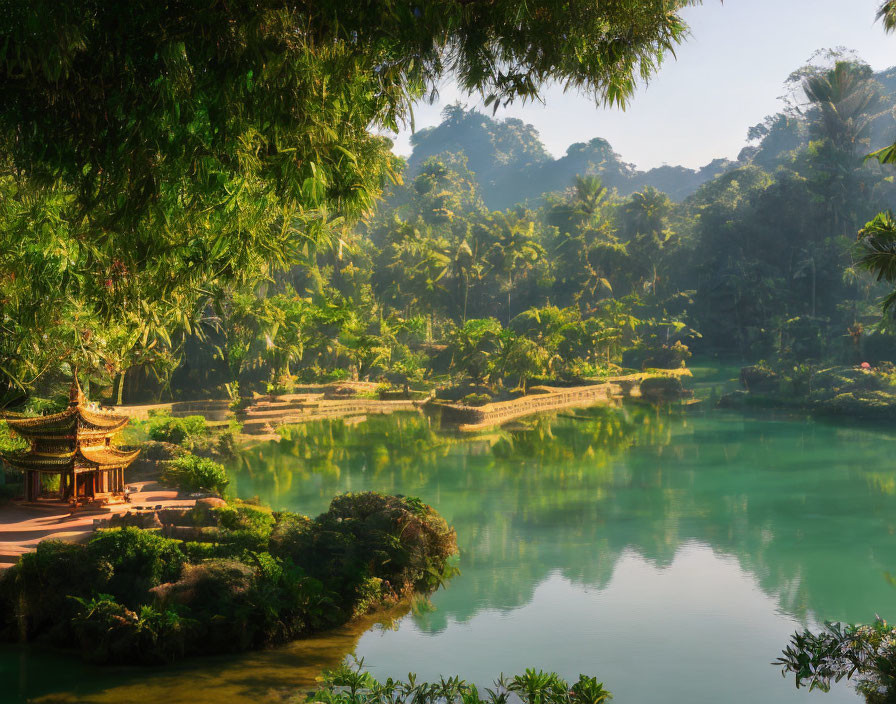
<point x="222" y="576"/>
<point x="859" y="391"/>
<point x="238" y="577"/>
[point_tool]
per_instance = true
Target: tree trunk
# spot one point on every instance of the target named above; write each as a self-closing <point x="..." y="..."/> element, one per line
<point x="120" y="396"/>
<point x="509" y="289"/>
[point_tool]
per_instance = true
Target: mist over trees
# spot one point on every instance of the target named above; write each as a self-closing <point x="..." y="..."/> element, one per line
<point x="513" y="166"/>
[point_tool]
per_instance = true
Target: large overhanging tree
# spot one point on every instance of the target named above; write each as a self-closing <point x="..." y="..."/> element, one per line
<point x="153" y="152"/>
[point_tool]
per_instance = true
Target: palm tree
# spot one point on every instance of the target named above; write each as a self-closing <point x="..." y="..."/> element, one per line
<point x="844" y="104"/>
<point x="887" y="14"/>
<point x="845" y="100"/>
<point x="515" y="249"/>
<point x="877" y="252"/>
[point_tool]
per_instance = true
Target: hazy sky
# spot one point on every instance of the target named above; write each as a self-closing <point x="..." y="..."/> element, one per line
<point x="728" y="76"/>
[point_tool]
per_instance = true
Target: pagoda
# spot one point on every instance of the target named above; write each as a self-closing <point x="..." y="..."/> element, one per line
<point x="76" y="445"/>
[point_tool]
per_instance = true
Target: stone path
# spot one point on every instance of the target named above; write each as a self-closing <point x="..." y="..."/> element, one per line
<point x="23" y="527"/>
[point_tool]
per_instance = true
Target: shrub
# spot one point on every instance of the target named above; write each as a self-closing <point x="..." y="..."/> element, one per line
<point x="155" y="451"/>
<point x="667" y="357"/>
<point x="400" y="540"/>
<point x="192" y="473"/>
<point x="9" y="491"/>
<point x="8" y="441"/>
<point x="134" y="596"/>
<point x="661" y="388"/>
<point x="39" y="587"/>
<point x="350" y="685"/>
<point x="42" y="406"/>
<point x="244" y="517"/>
<point x="110" y="633"/>
<point x="140" y="560"/>
<point x="867" y="653"/>
<point x="476" y="399"/>
<point x="759" y="378"/>
<point x="188" y="431"/>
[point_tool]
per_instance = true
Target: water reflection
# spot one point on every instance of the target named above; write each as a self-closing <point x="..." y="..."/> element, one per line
<point x="806" y="508"/>
<point x="670" y="554"/>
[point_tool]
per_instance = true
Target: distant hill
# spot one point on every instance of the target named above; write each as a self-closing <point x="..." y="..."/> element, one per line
<point x="513" y="166"/>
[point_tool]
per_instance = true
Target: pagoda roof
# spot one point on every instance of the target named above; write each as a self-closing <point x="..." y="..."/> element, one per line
<point x="75" y="439"/>
<point x="107" y="456"/>
<point x="69" y="423"/>
<point x="84" y="458"/>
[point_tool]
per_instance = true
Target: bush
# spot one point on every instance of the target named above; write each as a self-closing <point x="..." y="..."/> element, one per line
<point x="667" y="357"/>
<point x="350" y="685"/>
<point x="262" y="578"/>
<point x="9" y="442"/>
<point x="110" y="633"/>
<point x="476" y="399"/>
<point x="661" y="388"/>
<point x="9" y="491"/>
<point x="139" y="559"/>
<point x="189" y="431"/>
<point x="42" y="406"/>
<point x="400" y="540"/>
<point x="192" y="473"/>
<point x="867" y="653"/>
<point x="40" y="585"/>
<point x="759" y="378"/>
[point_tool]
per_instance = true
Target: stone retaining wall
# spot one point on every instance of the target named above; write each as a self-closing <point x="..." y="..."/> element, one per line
<point x="468" y="418"/>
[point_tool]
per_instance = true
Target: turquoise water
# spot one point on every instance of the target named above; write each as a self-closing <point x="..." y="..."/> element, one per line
<point x="671" y="555"/>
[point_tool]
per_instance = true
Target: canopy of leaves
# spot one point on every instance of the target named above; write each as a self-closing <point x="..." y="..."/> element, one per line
<point x="153" y="152"/>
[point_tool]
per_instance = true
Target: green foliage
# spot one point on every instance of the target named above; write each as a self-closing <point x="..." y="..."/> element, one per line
<point x="661" y="388"/>
<point x="400" y="541"/>
<point x="39" y="587"/>
<point x="139" y="561"/>
<point x="476" y="399"/>
<point x="192" y="473"/>
<point x="352" y="685"/>
<point x="866" y="653"/>
<point x="249" y="579"/>
<point x="109" y="632"/>
<point x="9" y="442"/>
<point x="188" y="431"/>
<point x="138" y="190"/>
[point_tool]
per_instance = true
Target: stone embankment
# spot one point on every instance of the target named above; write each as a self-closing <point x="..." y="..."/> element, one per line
<point x="265" y="414"/>
<point x="543" y="399"/>
<point x="214" y="411"/>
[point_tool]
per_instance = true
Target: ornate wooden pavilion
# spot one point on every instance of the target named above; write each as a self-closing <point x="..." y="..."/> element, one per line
<point x="76" y="445"/>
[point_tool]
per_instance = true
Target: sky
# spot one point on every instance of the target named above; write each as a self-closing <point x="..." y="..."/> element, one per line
<point x="727" y="77"/>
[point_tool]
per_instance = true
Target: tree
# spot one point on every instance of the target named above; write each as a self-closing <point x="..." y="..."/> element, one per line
<point x="173" y="147"/>
<point x="877" y="252"/>
<point x="473" y="346"/>
<point x="521" y="357"/>
<point x="645" y="220"/>
<point x="877" y="240"/>
<point x="515" y="249"/>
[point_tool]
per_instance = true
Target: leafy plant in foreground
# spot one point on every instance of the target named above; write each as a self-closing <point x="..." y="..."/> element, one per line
<point x="866" y="653"/>
<point x="349" y="684"/>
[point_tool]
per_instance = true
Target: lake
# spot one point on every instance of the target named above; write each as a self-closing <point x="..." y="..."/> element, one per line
<point x="669" y="554"/>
